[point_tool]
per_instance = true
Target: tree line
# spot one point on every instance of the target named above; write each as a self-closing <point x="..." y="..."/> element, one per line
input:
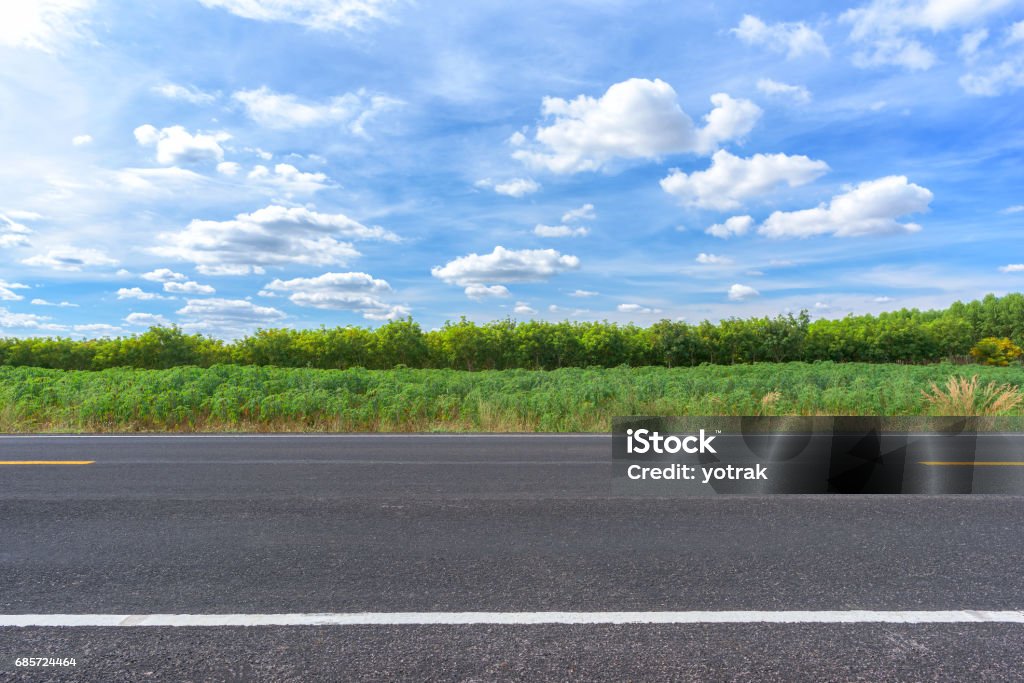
<point x="907" y="335"/>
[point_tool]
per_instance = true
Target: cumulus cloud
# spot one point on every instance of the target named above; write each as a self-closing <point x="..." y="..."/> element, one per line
<point x="188" y="287"/>
<point x="797" y="93"/>
<point x="583" y="293"/>
<point x="870" y="208"/>
<point x="505" y="265"/>
<point x="81" y="140"/>
<point x="46" y="25"/>
<point x="319" y="15"/>
<point x="147" y="320"/>
<point x="712" y="260"/>
<point x="634" y="119"/>
<point x="636" y="308"/>
<point x="229" y="168"/>
<point x="731" y="179"/>
<point x="186" y="93"/>
<point x="287" y="111"/>
<point x="175" y="145"/>
<point x="740" y="292"/>
<point x="98" y="329"/>
<point x="138" y="293"/>
<point x="288" y="180"/>
<point x="273" y="236"/>
<point x="163" y="275"/>
<point x="516" y="187"/>
<point x="523" y="308"/>
<point x="70" y="259"/>
<point x="560" y="231"/>
<point x="12" y="233"/>
<point x="227" y="317"/>
<point x="796" y="39"/>
<point x="1012" y="268"/>
<point x="584" y="213"/>
<point x="480" y="292"/>
<point x="7" y="292"/>
<point x="9" y="319"/>
<point x="735" y="226"/>
<point x="357" y="292"/>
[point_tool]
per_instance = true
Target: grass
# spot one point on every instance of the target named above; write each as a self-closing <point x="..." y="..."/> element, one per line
<point x="265" y="399"/>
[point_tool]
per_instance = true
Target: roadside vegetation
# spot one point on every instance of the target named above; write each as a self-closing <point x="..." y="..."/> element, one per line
<point x="990" y="331"/>
<point x="252" y="398"/>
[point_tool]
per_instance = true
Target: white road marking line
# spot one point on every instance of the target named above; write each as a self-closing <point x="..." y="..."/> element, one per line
<point x="519" y="618"/>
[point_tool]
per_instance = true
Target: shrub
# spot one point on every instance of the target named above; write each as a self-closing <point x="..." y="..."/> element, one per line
<point x="996" y="351"/>
<point x="965" y="397"/>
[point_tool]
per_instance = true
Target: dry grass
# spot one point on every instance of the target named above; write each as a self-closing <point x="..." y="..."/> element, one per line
<point x="768" y="402"/>
<point x="966" y="397"/>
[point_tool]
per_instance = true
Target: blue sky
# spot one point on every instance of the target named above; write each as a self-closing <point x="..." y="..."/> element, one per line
<point x="230" y="164"/>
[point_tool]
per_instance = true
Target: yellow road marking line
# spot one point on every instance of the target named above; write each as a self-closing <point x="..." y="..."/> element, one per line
<point x="976" y="463"/>
<point x="46" y="462"/>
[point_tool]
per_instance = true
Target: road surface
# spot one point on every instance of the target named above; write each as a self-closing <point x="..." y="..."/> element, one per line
<point x="508" y="528"/>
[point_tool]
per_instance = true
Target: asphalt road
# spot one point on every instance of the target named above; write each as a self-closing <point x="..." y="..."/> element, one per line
<point x="272" y="525"/>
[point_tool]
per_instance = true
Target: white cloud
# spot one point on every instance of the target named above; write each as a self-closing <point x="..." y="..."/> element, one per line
<point x="560" y="231"/>
<point x="583" y="293"/>
<point x="517" y="139"/>
<point x="516" y="187"/>
<point x="25" y="320"/>
<point x="480" y="292"/>
<point x="159" y="181"/>
<point x="995" y="80"/>
<point x="1016" y="208"/>
<point x="884" y="28"/>
<point x="45" y="25"/>
<point x="712" y="259"/>
<point x="229" y="168"/>
<point x="523" y="308"/>
<point x="81" y="140"/>
<point x="163" y="275"/>
<point x="796" y="39"/>
<point x="971" y="42"/>
<point x="634" y="119"/>
<point x="797" y="92"/>
<point x="175" y="145"/>
<point x="636" y="308"/>
<point x="289" y="180"/>
<point x="505" y="265"/>
<point x="273" y="236"/>
<point x="138" y="293"/>
<point x="320" y="15"/>
<point x="571" y="312"/>
<point x="99" y="329"/>
<point x="584" y="213"/>
<point x="188" y="287"/>
<point x="1012" y="268"/>
<point x="227" y="317"/>
<point x="7" y="292"/>
<point x="870" y="208"/>
<point x="70" y="258"/>
<point x="12" y="233"/>
<point x="286" y="111"/>
<point x="356" y="292"/>
<point x="187" y="93"/>
<point x="730" y="180"/>
<point x="735" y="226"/>
<point x="57" y="304"/>
<point x="740" y="292"/>
<point x="147" y="320"/>
<point x="882" y="299"/>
